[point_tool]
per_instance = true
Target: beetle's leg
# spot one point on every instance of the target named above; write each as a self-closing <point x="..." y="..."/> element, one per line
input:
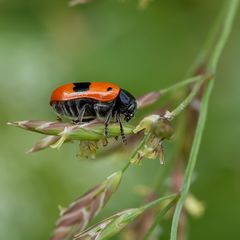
<point x="59" y="119"/>
<point x="121" y="128"/>
<point x="106" y="123"/>
<point x="116" y="119"/>
<point x="104" y="110"/>
<point x="80" y="110"/>
<point x="81" y="113"/>
<point x="71" y="109"/>
<point x="75" y="121"/>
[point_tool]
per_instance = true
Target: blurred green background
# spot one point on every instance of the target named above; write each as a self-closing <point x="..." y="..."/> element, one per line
<point x="46" y="43"/>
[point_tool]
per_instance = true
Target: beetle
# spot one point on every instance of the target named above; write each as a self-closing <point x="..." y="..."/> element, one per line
<point x="86" y="101"/>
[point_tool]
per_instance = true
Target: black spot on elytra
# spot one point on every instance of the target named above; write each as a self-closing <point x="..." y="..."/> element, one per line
<point x="81" y="86"/>
<point x="109" y="89"/>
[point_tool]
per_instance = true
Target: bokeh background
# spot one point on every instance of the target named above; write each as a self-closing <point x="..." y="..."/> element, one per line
<point x="46" y="43"/>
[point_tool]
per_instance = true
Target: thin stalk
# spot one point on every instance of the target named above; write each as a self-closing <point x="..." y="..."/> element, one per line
<point x="157" y="201"/>
<point x="230" y="10"/>
<point x="231" y="6"/>
<point x="192" y="161"/>
<point x="186" y="101"/>
<point x="209" y="43"/>
<point x="154" y="96"/>
<point x="140" y="145"/>
<point x="181" y="84"/>
<point x="159" y="217"/>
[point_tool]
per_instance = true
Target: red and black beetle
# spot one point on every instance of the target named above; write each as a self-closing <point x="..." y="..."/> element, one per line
<point x="85" y="101"/>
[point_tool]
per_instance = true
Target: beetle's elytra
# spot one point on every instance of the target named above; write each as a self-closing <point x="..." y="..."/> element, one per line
<point x="85" y="101"/>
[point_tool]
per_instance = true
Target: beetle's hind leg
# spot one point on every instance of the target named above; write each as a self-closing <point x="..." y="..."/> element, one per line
<point x="118" y="119"/>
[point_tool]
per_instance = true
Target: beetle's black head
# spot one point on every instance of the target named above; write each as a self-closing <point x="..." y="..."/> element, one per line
<point x="127" y="104"/>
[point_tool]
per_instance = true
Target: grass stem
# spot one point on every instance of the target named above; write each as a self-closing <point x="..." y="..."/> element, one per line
<point x="230" y="11"/>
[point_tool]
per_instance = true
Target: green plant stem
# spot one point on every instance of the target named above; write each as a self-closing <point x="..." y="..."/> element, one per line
<point x="157" y="201"/>
<point x="192" y="161"/>
<point x="231" y="6"/>
<point x="209" y="43"/>
<point x="159" y="217"/>
<point x="230" y="10"/>
<point x="186" y="101"/>
<point x="140" y="145"/>
<point x="183" y="83"/>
